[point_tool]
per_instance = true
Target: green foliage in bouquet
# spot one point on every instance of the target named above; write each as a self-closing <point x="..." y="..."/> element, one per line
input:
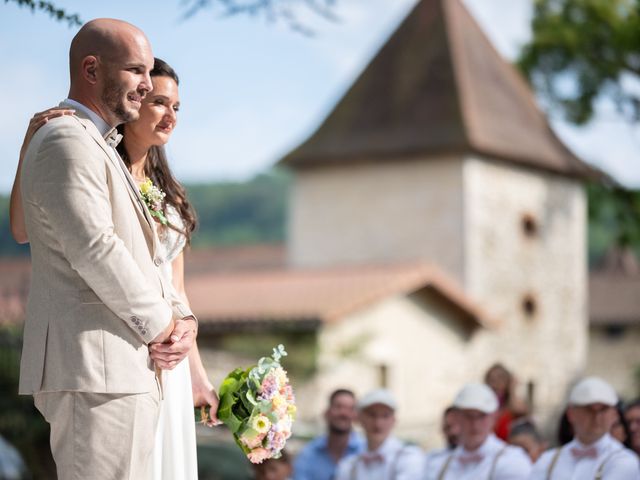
<point x="258" y="406"/>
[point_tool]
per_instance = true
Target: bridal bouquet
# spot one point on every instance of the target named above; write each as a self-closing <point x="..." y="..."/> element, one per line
<point x="258" y="406"/>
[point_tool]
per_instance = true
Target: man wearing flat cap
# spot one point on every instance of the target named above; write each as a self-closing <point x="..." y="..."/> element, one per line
<point x="386" y="457"/>
<point x="593" y="453"/>
<point x="480" y="455"/>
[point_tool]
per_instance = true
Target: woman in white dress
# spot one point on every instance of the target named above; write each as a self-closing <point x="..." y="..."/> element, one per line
<point x="185" y="384"/>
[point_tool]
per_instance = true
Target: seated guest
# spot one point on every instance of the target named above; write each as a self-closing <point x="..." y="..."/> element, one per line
<point x="593" y="453"/>
<point x="386" y="457"/>
<point x="524" y="434"/>
<point x="632" y="417"/>
<point x="273" y="468"/>
<point x="480" y="454"/>
<point x="320" y="457"/>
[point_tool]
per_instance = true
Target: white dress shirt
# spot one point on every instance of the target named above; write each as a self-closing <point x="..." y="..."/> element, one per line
<point x="493" y="460"/>
<point x="436" y="455"/>
<point x="394" y="460"/>
<point x="577" y="461"/>
<point x="100" y="124"/>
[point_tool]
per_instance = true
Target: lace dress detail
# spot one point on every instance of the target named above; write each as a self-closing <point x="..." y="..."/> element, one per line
<point x="173" y="242"/>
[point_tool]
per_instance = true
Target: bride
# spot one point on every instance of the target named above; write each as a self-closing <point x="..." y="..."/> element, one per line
<point x="185" y="384"/>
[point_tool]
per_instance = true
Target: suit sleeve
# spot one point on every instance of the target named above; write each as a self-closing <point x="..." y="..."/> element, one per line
<point x="70" y="189"/>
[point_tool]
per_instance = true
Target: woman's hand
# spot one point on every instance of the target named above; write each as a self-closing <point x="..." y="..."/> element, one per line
<point x="16" y="212"/>
<point x="38" y="120"/>
<point x="204" y="395"/>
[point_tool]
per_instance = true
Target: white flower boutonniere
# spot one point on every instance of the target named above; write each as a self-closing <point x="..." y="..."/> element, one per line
<point x="153" y="197"/>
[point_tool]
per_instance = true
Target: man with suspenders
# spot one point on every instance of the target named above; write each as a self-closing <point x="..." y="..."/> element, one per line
<point x="593" y="454"/>
<point x="480" y="455"/>
<point x="386" y="457"/>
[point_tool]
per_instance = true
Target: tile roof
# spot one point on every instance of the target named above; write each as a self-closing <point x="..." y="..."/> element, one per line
<point x="438" y="86"/>
<point x="313" y="296"/>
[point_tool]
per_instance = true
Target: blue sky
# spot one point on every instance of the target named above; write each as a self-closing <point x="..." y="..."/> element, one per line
<point x="251" y="90"/>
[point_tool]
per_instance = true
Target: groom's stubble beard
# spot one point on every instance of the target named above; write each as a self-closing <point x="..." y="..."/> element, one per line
<point x="114" y="97"/>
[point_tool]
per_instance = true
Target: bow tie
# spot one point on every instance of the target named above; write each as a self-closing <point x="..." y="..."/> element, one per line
<point x="372" y="458"/>
<point x="470" y="458"/>
<point x="113" y="138"/>
<point x="580" y="453"/>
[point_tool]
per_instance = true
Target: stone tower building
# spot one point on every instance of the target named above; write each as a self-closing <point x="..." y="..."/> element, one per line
<point x="439" y="154"/>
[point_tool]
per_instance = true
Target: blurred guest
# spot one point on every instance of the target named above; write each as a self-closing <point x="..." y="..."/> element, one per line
<point x="273" y="468"/>
<point x="620" y="428"/>
<point x="12" y="466"/>
<point x="525" y="435"/>
<point x="386" y="457"/>
<point x="320" y="457"/>
<point x="503" y="383"/>
<point x="593" y="453"/>
<point x="632" y="417"/>
<point x="480" y="454"/>
<point x="565" y="430"/>
<point x="450" y="431"/>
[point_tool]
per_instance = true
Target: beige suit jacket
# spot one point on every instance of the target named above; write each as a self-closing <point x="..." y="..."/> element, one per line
<point x="97" y="297"/>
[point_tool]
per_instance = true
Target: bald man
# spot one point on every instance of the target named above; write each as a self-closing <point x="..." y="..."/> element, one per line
<point x="97" y="298"/>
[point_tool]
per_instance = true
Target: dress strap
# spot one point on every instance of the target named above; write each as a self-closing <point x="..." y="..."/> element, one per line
<point x="396" y="458"/>
<point x="554" y="460"/>
<point x="600" y="471"/>
<point x="495" y="462"/>
<point x="445" y="467"/>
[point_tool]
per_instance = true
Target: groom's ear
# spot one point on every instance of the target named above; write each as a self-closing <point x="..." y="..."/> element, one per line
<point x="90" y="69"/>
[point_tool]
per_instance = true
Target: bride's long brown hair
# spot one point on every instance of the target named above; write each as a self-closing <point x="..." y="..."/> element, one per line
<point x="157" y="167"/>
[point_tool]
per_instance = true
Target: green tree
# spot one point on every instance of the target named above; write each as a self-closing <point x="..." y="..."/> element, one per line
<point x="582" y="51"/>
<point x="48" y="7"/>
<point x="274" y="10"/>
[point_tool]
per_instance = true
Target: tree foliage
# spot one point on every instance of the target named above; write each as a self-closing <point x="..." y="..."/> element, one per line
<point x="614" y="219"/>
<point x="288" y="11"/>
<point x="582" y="50"/>
<point x="48" y="7"/>
<point x="229" y="213"/>
<point x="233" y="213"/>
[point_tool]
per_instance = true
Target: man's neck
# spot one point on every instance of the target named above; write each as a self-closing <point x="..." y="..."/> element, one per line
<point x="337" y="443"/>
<point x="373" y="445"/>
<point x="473" y="447"/>
<point x="588" y="440"/>
<point x="91" y="103"/>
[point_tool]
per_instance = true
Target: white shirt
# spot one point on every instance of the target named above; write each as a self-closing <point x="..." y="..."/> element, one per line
<point x="397" y="461"/>
<point x="435" y="456"/>
<point x="619" y="462"/>
<point x="511" y="463"/>
<point x="102" y="126"/>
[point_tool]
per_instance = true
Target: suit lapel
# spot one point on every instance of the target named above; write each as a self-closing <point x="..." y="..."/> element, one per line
<point x="147" y="221"/>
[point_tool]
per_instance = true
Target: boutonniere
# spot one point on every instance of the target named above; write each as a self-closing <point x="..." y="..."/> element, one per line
<point x="153" y="197"/>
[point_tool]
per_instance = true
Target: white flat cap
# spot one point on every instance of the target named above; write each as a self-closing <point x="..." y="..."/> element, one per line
<point x="379" y="396"/>
<point x="476" y="396"/>
<point x="592" y="390"/>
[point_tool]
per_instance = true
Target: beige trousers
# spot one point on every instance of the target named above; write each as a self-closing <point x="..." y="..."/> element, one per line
<point x="101" y="436"/>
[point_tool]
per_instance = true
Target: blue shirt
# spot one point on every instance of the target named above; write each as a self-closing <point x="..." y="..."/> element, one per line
<point x="314" y="461"/>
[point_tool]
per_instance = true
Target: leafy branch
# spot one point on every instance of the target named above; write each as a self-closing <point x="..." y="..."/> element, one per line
<point x="57" y="13"/>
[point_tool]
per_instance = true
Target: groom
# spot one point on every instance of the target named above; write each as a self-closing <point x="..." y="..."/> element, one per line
<point x="97" y="299"/>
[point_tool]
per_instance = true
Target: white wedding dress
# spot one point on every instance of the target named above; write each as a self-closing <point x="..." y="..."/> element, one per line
<point x="174" y="455"/>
